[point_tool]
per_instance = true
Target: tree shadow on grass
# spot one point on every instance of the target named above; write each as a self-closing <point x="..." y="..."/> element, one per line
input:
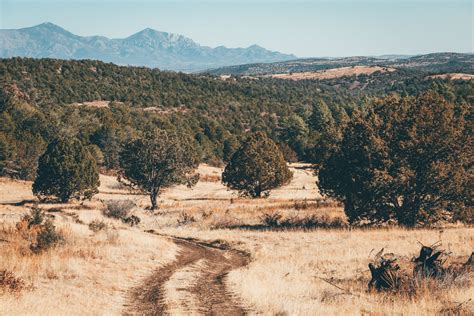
<point x="19" y="203"/>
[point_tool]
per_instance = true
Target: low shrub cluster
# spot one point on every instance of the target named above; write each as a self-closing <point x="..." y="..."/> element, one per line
<point x="97" y="225"/>
<point x="184" y="219"/>
<point x="121" y="209"/>
<point x="9" y="283"/>
<point x="38" y="230"/>
<point x="277" y="221"/>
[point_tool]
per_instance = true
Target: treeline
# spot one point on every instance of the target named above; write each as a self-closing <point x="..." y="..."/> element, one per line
<point x="405" y="161"/>
<point x="305" y="118"/>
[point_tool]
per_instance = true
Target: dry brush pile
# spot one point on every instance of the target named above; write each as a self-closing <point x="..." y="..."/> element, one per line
<point x="432" y="272"/>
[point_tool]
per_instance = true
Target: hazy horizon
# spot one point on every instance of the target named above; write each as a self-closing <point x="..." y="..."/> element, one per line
<point x="304" y="28"/>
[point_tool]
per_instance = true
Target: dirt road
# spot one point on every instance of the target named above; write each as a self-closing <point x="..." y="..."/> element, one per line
<point x="192" y="284"/>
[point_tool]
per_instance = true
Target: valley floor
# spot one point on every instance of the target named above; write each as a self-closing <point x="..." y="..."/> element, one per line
<point x="205" y="250"/>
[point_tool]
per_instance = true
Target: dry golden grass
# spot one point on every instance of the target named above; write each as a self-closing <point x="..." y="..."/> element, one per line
<point x="93" y="104"/>
<point x="283" y="277"/>
<point x="89" y="274"/>
<point x="333" y="73"/>
<point x="454" y="76"/>
<point x="92" y="272"/>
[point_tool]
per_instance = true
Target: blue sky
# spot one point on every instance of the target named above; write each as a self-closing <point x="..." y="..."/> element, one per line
<point x="305" y="28"/>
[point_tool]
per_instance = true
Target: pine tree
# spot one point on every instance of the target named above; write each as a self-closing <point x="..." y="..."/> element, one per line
<point x="257" y="167"/>
<point x="66" y="170"/>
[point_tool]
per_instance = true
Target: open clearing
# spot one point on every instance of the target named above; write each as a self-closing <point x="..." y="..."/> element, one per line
<point x="453" y="76"/>
<point x="204" y="252"/>
<point x="333" y="73"/>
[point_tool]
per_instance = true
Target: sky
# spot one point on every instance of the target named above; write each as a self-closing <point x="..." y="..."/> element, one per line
<point x="317" y="28"/>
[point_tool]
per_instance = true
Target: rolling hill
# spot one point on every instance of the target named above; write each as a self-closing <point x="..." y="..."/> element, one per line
<point x="429" y="64"/>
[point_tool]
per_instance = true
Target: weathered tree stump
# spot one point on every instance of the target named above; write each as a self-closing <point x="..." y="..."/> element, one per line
<point x="429" y="264"/>
<point x="385" y="275"/>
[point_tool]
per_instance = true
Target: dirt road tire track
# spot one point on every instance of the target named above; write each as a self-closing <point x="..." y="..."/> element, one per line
<point x="209" y="289"/>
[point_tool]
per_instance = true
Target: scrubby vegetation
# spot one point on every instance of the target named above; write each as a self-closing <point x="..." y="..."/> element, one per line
<point x="38" y="230"/>
<point x="118" y="209"/>
<point x="97" y="225"/>
<point x="277" y="221"/>
<point x="9" y="283"/>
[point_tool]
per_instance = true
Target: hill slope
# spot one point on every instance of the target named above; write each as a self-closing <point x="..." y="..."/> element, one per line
<point x="148" y="47"/>
<point x="430" y="63"/>
<point x="105" y="105"/>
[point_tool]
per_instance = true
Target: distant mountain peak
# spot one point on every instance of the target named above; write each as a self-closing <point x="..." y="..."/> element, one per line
<point x="147" y="47"/>
<point x="49" y="26"/>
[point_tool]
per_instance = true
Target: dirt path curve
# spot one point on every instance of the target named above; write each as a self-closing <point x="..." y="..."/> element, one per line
<point x="199" y="271"/>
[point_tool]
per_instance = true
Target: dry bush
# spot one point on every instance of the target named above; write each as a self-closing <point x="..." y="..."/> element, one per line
<point x="276" y="221"/>
<point x="97" y="225"/>
<point x="118" y="209"/>
<point x="9" y="283"/>
<point x="38" y="230"/>
<point x="47" y="237"/>
<point x="184" y="219"/>
<point x="271" y="220"/>
<point x="301" y="205"/>
<point x="131" y="220"/>
<point x="121" y="209"/>
<point x="207" y="214"/>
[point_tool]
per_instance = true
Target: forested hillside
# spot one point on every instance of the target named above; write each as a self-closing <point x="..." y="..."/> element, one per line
<point x="41" y="99"/>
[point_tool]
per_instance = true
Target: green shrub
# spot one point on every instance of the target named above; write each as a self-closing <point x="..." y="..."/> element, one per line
<point x="46" y="238"/>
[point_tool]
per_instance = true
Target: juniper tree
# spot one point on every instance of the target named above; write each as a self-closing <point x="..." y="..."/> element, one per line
<point x="324" y="131"/>
<point x="293" y="132"/>
<point x="157" y="160"/>
<point x="66" y="170"/>
<point x="409" y="160"/>
<point x="257" y="167"/>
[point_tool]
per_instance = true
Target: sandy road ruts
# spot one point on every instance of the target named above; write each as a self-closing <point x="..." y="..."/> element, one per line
<point x="208" y="289"/>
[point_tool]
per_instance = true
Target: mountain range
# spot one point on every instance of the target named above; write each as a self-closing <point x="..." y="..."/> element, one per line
<point x="148" y="48"/>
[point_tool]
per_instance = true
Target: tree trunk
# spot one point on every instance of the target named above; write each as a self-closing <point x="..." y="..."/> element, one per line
<point x="153" y="198"/>
<point x="407" y="214"/>
<point x="64" y="198"/>
<point x="258" y="192"/>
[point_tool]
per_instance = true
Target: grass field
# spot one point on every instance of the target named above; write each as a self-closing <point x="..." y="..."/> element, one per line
<point x="92" y="272"/>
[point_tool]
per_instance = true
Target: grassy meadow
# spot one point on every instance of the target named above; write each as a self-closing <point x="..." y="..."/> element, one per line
<point x="290" y="271"/>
